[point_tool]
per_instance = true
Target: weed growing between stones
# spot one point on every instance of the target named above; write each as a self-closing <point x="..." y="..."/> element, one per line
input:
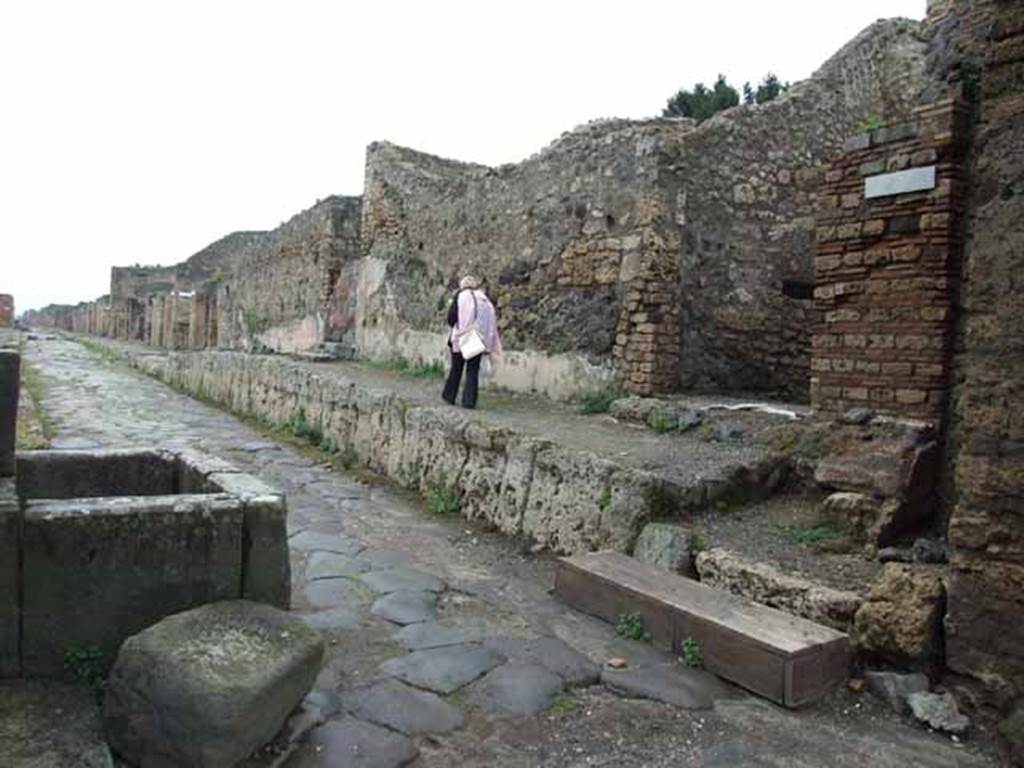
<point x="34" y="428"/>
<point x="690" y="655"/>
<point x="598" y="400"/>
<point x="408" y="476"/>
<point x="99" y="350"/>
<point x="302" y="429"/>
<point x="662" y="422"/>
<point x="431" y="370"/>
<point x="824" y="531"/>
<point x="631" y="626"/>
<point x="604" y="501"/>
<point x="565" y="704"/>
<point x="697" y="543"/>
<point x="347" y="457"/>
<point x="85" y="665"/>
<point x="457" y="698"/>
<point x="868" y="124"/>
<point x="443" y="499"/>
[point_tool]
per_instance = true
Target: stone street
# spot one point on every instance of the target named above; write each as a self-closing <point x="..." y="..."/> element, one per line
<point x="445" y="647"/>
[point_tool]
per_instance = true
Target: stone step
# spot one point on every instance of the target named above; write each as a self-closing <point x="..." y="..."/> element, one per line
<point x="787" y="659"/>
<point x="769" y="585"/>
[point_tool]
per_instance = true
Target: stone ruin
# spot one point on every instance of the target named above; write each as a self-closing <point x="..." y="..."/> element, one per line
<point x="658" y="253"/>
<point x="6" y="310"/>
<point x="853" y="244"/>
<point x="97" y="545"/>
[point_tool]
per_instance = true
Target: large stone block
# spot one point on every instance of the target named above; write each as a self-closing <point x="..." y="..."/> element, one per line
<point x="266" y="569"/>
<point x="97" y="571"/>
<point x="764" y="584"/>
<point x="10" y="534"/>
<point x="871" y="520"/>
<point x="901" y="620"/>
<point x="665" y="545"/>
<point x="207" y="687"/>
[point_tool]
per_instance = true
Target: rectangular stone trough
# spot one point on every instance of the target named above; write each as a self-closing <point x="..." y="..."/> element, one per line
<point x="109" y="542"/>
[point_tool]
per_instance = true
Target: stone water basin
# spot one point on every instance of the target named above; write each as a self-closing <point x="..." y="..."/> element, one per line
<point x="97" y="545"/>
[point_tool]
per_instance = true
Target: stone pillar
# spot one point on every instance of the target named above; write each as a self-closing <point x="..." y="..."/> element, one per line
<point x="6" y="310"/>
<point x="646" y="350"/>
<point x="887" y="267"/>
<point x="10" y="516"/>
<point x="10" y="370"/>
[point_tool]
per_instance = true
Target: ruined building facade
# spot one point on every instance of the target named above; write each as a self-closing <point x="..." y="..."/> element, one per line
<point x="657" y="254"/>
<point x="854" y="243"/>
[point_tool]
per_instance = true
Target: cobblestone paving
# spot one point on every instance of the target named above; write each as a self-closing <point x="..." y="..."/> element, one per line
<point x="445" y="647"/>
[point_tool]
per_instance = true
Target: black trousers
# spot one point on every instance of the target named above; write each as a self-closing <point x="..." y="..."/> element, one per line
<point x="469" y="391"/>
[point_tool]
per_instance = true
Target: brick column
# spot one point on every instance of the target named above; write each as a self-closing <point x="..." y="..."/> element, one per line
<point x="887" y="267"/>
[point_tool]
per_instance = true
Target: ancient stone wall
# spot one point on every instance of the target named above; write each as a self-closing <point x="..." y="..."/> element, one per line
<point x="6" y="310"/>
<point x="675" y="255"/>
<point x="888" y="263"/>
<point x="559" y="240"/>
<point x="745" y="185"/>
<point x="217" y="260"/>
<point x="279" y="294"/>
<point x="984" y="635"/>
<point x="132" y="289"/>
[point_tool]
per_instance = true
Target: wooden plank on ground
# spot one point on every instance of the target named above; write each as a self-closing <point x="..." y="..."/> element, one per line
<point x="785" y="658"/>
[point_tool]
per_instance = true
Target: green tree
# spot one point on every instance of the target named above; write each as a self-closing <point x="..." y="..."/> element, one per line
<point x="702" y="102"/>
<point x="770" y="88"/>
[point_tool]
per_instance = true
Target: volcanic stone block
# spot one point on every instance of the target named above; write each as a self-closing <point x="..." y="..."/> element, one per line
<point x="10" y="532"/>
<point x="902" y="618"/>
<point x="443" y="670"/>
<point x="266" y="570"/>
<point x="10" y="370"/>
<point x="518" y="688"/>
<point x="207" y="687"/>
<point x="97" y="570"/>
<point x="403" y="708"/>
<point x="551" y="653"/>
<point x="194" y="469"/>
<point x="671" y="683"/>
<point x="353" y="742"/>
<point x="665" y="545"/>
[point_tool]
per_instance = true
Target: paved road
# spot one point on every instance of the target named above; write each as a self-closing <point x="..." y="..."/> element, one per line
<point x="443" y="637"/>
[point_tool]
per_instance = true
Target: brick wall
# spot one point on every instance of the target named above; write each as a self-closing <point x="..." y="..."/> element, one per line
<point x="887" y="268"/>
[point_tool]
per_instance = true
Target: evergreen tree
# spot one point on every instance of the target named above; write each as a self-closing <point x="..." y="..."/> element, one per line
<point x="770" y="88"/>
<point x="702" y="102"/>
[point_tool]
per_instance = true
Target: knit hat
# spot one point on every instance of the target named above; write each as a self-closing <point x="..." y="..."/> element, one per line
<point x="468" y="282"/>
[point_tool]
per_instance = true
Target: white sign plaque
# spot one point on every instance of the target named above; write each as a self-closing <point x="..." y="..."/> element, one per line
<point x="900" y="182"/>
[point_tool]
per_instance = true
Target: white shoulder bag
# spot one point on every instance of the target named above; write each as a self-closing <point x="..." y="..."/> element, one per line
<point x="471" y="341"/>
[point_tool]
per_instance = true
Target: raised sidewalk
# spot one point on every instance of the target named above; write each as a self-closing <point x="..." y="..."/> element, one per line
<point x="531" y="467"/>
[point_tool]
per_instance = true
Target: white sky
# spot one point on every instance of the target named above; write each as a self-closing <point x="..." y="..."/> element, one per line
<point x="142" y="131"/>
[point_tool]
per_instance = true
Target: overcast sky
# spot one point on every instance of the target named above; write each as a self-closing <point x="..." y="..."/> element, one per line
<point x="142" y="131"/>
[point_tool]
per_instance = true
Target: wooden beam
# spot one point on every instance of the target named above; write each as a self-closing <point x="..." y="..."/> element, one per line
<point x="785" y="658"/>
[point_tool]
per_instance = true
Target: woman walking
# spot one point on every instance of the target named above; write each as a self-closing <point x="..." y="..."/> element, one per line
<point x="473" y="328"/>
